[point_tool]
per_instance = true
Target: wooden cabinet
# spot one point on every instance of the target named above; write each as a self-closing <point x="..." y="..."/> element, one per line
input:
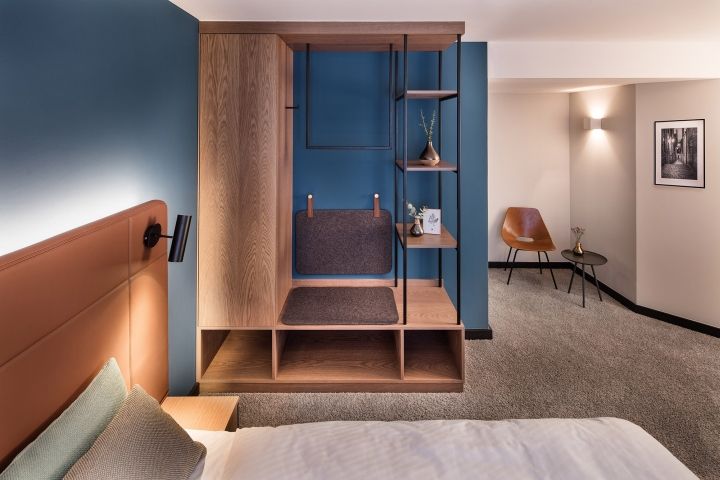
<point x="245" y="179"/>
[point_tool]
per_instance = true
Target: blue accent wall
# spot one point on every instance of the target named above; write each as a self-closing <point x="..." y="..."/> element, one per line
<point x="349" y="94"/>
<point x="98" y="112"/>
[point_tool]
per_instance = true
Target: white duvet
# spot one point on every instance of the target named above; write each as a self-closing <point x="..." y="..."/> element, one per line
<point x="602" y="448"/>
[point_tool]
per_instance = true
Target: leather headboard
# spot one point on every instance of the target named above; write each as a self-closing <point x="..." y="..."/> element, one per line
<point x="69" y="303"/>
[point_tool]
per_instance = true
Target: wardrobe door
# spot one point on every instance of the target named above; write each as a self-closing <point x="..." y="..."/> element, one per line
<point x="241" y="103"/>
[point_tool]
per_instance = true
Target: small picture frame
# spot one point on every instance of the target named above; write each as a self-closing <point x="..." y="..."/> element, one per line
<point x="432" y="221"/>
<point x="680" y="153"/>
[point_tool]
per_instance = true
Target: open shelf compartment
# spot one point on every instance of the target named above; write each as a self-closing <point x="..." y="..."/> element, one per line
<point x="433" y="356"/>
<point x="338" y="356"/>
<point x="236" y="355"/>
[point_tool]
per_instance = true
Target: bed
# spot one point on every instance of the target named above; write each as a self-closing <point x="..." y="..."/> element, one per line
<point x="602" y="448"/>
<point x="71" y="302"/>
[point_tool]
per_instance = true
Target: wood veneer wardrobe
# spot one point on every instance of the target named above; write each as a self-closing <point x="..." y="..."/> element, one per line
<point x="245" y="229"/>
<point x="245" y="180"/>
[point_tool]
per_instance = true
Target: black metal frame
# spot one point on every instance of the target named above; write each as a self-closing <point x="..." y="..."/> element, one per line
<point x="512" y="265"/>
<point x="391" y="112"/>
<point x="404" y="97"/>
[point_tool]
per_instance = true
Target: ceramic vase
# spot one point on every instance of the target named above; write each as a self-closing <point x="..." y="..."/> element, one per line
<point x="416" y="230"/>
<point x="429" y="156"/>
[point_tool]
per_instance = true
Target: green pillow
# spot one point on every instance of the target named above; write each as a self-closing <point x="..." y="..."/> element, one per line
<point x="70" y="435"/>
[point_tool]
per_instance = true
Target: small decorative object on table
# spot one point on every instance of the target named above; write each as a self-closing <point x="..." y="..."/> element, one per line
<point x="579" y="232"/>
<point x="431" y="221"/>
<point x="429" y="156"/>
<point x="416" y="230"/>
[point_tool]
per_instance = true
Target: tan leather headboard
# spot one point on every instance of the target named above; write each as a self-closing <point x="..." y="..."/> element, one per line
<point x="69" y="303"/>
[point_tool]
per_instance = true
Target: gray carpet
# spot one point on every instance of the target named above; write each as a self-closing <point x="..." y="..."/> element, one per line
<point x="551" y="358"/>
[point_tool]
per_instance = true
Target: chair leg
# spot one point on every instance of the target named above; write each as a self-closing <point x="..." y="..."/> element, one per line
<point x="539" y="263"/>
<point x="551" y="272"/>
<point x="507" y="260"/>
<point x="512" y="266"/>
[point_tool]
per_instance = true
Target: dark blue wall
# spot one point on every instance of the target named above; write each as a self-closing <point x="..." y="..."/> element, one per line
<point x="98" y="112"/>
<point x="349" y="107"/>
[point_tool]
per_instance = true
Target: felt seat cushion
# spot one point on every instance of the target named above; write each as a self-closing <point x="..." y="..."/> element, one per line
<point x="340" y="306"/>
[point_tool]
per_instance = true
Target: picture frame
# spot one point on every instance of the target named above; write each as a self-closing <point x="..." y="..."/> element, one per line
<point x="432" y="221"/>
<point x="680" y="153"/>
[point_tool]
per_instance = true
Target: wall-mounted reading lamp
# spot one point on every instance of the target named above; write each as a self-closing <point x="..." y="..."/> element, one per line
<point x="153" y="234"/>
<point x="593" y="123"/>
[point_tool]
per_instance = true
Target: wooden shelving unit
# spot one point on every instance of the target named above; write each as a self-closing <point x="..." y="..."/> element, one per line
<point x="428" y="94"/>
<point x="241" y="344"/>
<point x="444" y="240"/>
<point x="416" y="166"/>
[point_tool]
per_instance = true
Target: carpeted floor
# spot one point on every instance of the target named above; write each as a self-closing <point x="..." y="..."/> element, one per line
<point x="552" y="358"/>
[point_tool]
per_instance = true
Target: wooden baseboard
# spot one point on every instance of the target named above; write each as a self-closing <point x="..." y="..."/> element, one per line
<point x="362" y="282"/>
<point x="405" y="387"/>
<point x="626" y="302"/>
<point x="478" y="334"/>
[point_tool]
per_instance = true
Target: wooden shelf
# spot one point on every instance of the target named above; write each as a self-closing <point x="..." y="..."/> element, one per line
<point x="339" y="356"/>
<point x="416" y="166"/>
<point x="428" y="94"/>
<point x="244" y="355"/>
<point x="428" y="240"/>
<point x="433" y="356"/>
<point x="428" y="308"/>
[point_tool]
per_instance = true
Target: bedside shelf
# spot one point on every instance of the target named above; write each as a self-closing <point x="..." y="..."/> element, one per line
<point x="416" y="166"/>
<point x="444" y="240"/>
<point x="428" y="94"/>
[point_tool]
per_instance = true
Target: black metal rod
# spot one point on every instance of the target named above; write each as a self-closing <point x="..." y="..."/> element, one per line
<point x="583" y="284"/>
<point x="439" y="174"/>
<point x="539" y="263"/>
<point x="572" y="277"/>
<point x="551" y="270"/>
<point x="512" y="265"/>
<point x="308" y="98"/>
<point x="459" y="211"/>
<point x="308" y="109"/>
<point x="507" y="260"/>
<point x="592" y="267"/>
<point x="405" y="162"/>
<point x="395" y="156"/>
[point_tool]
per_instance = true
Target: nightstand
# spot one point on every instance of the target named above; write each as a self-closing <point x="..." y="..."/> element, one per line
<point x="203" y="413"/>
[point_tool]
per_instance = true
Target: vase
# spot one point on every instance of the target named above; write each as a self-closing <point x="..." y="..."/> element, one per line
<point x="429" y="156"/>
<point x="578" y="250"/>
<point x="416" y="230"/>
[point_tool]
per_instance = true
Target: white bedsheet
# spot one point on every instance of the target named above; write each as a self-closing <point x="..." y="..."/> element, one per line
<point x="602" y="448"/>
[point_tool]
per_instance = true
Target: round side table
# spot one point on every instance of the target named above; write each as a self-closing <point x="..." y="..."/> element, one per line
<point x="587" y="258"/>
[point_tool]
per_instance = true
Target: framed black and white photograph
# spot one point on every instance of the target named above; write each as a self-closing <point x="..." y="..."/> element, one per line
<point x="680" y="153"/>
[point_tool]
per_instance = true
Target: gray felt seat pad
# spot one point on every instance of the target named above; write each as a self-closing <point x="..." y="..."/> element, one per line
<point x="340" y="306"/>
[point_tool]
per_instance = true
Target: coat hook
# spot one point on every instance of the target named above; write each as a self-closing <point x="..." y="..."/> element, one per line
<point x="376" y="206"/>
<point x="310" y="212"/>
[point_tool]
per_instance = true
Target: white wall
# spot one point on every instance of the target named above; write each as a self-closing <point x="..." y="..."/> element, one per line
<point x="678" y="229"/>
<point x="602" y="179"/>
<point x="528" y="165"/>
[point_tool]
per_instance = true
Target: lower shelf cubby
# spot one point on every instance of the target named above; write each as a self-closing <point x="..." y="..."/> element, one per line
<point x="236" y="355"/>
<point x="434" y="355"/>
<point x="338" y="356"/>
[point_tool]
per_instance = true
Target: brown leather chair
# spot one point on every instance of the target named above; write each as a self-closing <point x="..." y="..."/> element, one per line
<point x="524" y="229"/>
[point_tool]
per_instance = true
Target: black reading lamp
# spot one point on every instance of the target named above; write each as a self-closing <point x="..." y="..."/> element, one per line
<point x="153" y="234"/>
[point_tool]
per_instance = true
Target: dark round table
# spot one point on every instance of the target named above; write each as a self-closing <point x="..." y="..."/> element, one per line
<point x="587" y="258"/>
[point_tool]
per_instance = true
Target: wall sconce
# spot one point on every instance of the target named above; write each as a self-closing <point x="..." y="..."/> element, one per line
<point x="153" y="234"/>
<point x="593" y="123"/>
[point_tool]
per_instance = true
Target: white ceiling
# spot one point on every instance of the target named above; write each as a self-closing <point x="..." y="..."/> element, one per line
<point x="497" y="20"/>
<point x="564" y="85"/>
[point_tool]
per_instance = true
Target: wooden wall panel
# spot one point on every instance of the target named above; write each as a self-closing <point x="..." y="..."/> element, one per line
<point x="242" y="136"/>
